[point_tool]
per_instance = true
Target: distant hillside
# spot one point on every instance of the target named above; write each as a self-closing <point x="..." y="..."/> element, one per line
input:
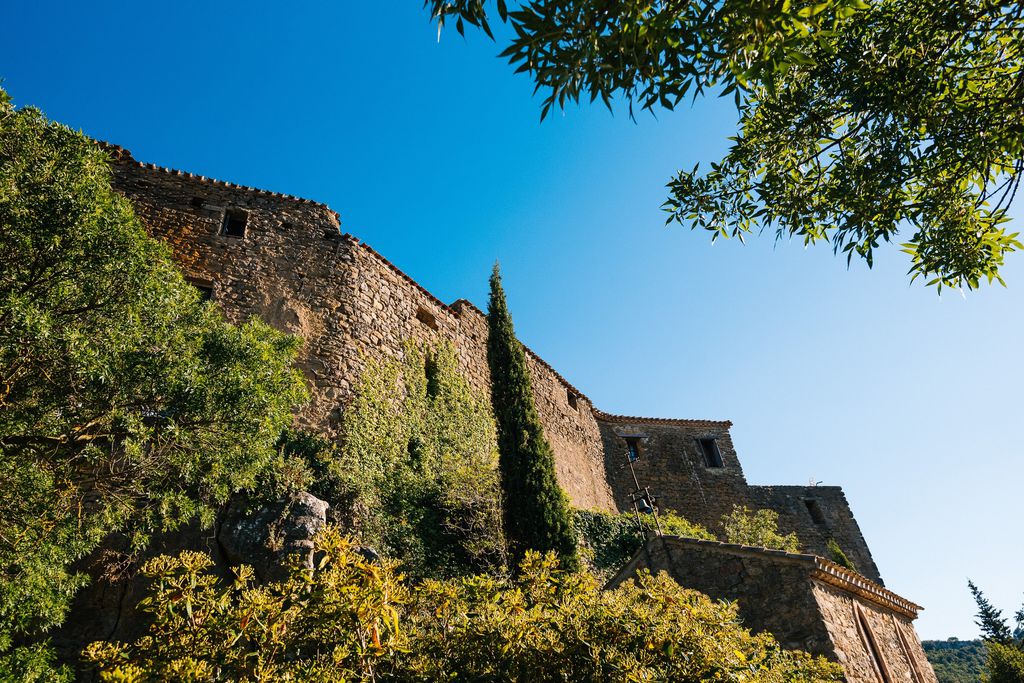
<point x="956" y="661"/>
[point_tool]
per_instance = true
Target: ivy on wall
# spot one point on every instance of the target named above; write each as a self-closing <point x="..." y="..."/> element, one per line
<point x="416" y="473"/>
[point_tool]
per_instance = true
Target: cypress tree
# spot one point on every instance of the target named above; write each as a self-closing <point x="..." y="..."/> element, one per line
<point x="536" y="511"/>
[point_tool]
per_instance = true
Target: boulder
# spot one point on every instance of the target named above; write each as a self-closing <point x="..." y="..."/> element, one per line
<point x="268" y="537"/>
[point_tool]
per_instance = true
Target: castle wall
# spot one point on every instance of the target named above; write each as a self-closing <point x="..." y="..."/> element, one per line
<point x="674" y="468"/>
<point x="894" y="652"/>
<point x="770" y="592"/>
<point x="816" y="514"/>
<point x="804" y="602"/>
<point x="294" y="269"/>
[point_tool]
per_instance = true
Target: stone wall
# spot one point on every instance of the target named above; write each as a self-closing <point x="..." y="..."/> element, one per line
<point x="295" y="269"/>
<point x="672" y="465"/>
<point x="807" y="603"/>
<point x="769" y="588"/>
<point x="816" y="514"/>
<point x="870" y="642"/>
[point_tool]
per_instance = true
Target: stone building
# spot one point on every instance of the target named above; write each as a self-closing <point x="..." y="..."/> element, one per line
<point x="806" y="602"/>
<point x="285" y="259"/>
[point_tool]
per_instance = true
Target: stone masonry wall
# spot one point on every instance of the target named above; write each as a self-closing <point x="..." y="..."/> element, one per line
<point x="894" y="652"/>
<point x="816" y="514"/>
<point x="672" y="465"/>
<point x="294" y="269"/>
<point x="805" y="603"/>
<point x="771" y="593"/>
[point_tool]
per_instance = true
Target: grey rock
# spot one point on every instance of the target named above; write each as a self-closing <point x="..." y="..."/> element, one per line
<point x="269" y="537"/>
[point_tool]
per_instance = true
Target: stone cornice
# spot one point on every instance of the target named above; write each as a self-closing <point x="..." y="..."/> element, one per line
<point x="818" y="569"/>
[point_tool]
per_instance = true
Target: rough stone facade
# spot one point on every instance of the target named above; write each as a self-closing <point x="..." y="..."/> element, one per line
<point x="806" y="602"/>
<point x="288" y="263"/>
<point x="294" y="268"/>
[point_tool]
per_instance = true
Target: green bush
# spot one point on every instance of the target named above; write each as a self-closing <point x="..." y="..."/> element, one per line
<point x="1005" y="663"/>
<point x="349" y="620"/>
<point x="757" y="528"/>
<point x="416" y="475"/>
<point x="608" y="540"/>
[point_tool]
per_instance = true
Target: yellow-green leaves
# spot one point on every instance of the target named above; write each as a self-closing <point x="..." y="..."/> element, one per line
<point x="354" y="621"/>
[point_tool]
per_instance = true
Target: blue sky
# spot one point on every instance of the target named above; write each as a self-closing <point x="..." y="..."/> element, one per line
<point x="433" y="153"/>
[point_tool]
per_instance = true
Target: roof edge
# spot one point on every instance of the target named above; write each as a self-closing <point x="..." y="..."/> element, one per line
<point x="123" y="155"/>
<point x="819" y="569"/>
<point x="682" y="422"/>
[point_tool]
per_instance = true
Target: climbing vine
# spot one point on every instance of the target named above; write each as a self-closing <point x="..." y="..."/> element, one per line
<point x="416" y="472"/>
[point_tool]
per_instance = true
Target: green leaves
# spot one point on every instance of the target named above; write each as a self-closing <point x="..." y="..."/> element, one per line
<point x="125" y="403"/>
<point x="902" y="120"/>
<point x="417" y="471"/>
<point x="354" y="621"/>
<point x="857" y="120"/>
<point x="536" y="510"/>
<point x="758" y="528"/>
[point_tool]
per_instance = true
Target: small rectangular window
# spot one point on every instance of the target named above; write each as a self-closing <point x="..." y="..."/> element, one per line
<point x="709" y="449"/>
<point x="572" y="399"/>
<point x="426" y="317"/>
<point x="815" y="509"/>
<point x="633" y="449"/>
<point x="197" y="202"/>
<point x="234" y="224"/>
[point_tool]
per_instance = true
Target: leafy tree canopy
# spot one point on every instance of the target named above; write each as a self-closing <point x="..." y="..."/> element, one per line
<point x="126" y="404"/>
<point x="859" y="121"/>
<point x="956" y="661"/>
<point x="1005" y="645"/>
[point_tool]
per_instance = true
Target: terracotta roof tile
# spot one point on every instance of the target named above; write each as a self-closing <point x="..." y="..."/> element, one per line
<point x="608" y="417"/>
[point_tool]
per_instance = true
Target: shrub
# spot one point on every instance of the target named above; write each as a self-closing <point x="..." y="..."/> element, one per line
<point x="837" y="555"/>
<point x="608" y="540"/>
<point x="757" y="528"/>
<point x="349" y="620"/>
<point x="1005" y="663"/>
<point x="336" y="623"/>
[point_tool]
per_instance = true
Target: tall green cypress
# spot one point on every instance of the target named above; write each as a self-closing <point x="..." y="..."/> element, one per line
<point x="537" y="514"/>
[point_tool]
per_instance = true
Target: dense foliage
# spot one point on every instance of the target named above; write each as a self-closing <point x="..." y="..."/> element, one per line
<point x="1005" y="644"/>
<point x="956" y="661"/>
<point x="536" y="509"/>
<point x="351" y="620"/>
<point x="416" y="475"/>
<point x="126" y="404"/>
<point x="757" y="528"/>
<point x="608" y="540"/>
<point x="857" y="119"/>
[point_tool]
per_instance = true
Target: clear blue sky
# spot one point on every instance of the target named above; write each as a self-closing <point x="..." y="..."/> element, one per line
<point x="433" y="153"/>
